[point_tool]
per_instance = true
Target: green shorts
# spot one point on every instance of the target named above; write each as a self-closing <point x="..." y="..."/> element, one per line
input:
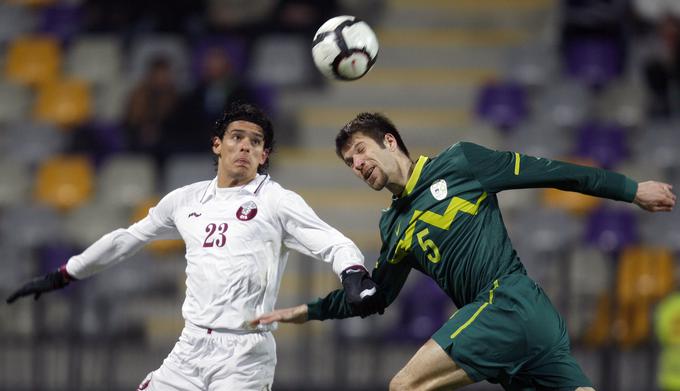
<point x="512" y="334"/>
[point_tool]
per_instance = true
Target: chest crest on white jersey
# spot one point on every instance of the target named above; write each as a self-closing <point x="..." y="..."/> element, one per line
<point x="247" y="211"/>
<point x="439" y="189"/>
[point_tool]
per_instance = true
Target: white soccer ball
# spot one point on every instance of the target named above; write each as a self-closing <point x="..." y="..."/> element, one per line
<point x="344" y="48"/>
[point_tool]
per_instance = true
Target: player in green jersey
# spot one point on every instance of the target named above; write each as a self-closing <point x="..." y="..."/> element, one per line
<point x="445" y="221"/>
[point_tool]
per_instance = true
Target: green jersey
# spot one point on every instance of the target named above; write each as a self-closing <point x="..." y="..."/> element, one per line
<point x="448" y="225"/>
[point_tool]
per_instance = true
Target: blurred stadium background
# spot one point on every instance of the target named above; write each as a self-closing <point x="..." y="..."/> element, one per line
<point x="107" y="105"/>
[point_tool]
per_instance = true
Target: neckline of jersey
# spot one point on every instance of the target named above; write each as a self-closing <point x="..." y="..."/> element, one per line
<point x="415" y="175"/>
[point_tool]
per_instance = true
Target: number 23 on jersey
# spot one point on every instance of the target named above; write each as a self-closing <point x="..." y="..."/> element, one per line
<point x="216" y="235"/>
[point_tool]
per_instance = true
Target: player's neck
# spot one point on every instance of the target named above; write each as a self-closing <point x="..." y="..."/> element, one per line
<point x="233" y="181"/>
<point x="405" y="169"/>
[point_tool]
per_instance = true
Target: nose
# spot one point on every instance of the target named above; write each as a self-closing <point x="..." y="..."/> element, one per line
<point x="245" y="145"/>
<point x="357" y="164"/>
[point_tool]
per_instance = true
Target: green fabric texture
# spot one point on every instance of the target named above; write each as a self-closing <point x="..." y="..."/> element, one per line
<point x="448" y="224"/>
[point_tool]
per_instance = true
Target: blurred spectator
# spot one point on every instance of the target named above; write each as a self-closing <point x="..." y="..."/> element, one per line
<point x="654" y="10"/>
<point x="594" y="18"/>
<point x="302" y="16"/>
<point x="98" y="140"/>
<point x="265" y="16"/>
<point x="129" y="17"/>
<point x="191" y="126"/>
<point x="661" y="68"/>
<point x="151" y="103"/>
<point x="238" y="15"/>
<point x="598" y="20"/>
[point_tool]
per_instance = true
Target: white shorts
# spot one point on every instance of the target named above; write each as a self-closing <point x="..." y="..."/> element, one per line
<point x="215" y="361"/>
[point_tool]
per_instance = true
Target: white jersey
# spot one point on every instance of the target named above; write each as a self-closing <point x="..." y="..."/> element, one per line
<point x="237" y="243"/>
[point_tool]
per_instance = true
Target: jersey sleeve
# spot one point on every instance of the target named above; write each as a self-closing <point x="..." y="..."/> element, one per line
<point x="159" y="222"/>
<point x="120" y="244"/>
<point x="110" y="249"/>
<point x="390" y="278"/>
<point x="497" y="171"/>
<point x="306" y="233"/>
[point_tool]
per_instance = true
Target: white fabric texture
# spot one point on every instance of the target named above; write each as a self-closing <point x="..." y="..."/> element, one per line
<point x="202" y="361"/>
<point x="237" y="244"/>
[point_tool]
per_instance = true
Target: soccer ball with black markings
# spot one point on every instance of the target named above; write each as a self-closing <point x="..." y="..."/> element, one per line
<point x="344" y="48"/>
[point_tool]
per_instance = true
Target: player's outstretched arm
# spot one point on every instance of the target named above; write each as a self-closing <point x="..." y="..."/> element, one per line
<point x="51" y="281"/>
<point x="358" y="285"/>
<point x="297" y="314"/>
<point x="655" y="196"/>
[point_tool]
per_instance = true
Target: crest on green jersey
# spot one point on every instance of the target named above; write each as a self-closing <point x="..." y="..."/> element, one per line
<point x="439" y="189"/>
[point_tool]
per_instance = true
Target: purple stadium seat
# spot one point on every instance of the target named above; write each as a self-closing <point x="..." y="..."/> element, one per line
<point x="110" y="140"/>
<point x="593" y="61"/>
<point x="235" y="48"/>
<point x="99" y="140"/>
<point x="53" y="255"/>
<point x="604" y="143"/>
<point x="503" y="104"/>
<point x="109" y="134"/>
<point x="61" y="20"/>
<point x="612" y="229"/>
<point x="265" y="96"/>
<point x="423" y="308"/>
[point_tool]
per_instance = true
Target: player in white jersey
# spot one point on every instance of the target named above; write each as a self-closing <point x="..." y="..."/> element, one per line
<point x="238" y="229"/>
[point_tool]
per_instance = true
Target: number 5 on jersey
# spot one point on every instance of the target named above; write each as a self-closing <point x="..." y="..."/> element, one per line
<point x="427" y="245"/>
<point x="442" y="221"/>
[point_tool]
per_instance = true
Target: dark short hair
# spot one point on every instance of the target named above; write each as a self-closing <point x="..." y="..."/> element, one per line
<point x="373" y="125"/>
<point x="250" y="113"/>
<point x="159" y="62"/>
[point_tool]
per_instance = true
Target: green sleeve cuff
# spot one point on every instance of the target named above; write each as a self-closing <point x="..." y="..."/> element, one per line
<point x="629" y="189"/>
<point x="314" y="310"/>
<point x="616" y="186"/>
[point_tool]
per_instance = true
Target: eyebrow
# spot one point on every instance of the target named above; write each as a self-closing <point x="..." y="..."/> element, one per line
<point x="248" y="132"/>
<point x="353" y="148"/>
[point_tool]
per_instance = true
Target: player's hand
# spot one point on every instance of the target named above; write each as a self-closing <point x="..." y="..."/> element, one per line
<point x="357" y="284"/>
<point x="39" y="285"/>
<point x="361" y="292"/>
<point x="655" y="196"/>
<point x="287" y="315"/>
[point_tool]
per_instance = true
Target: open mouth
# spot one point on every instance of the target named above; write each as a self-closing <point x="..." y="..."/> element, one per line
<point x="368" y="173"/>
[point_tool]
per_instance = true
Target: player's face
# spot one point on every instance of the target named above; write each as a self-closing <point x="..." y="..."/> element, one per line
<point x="240" y="151"/>
<point x="374" y="163"/>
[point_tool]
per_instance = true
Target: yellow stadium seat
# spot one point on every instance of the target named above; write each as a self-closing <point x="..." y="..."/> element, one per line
<point x="575" y="203"/>
<point x="65" y="103"/>
<point x="645" y="273"/>
<point x="33" y="60"/>
<point x="644" y="277"/>
<point x="65" y="182"/>
<point x="160" y="247"/>
<point x="599" y="332"/>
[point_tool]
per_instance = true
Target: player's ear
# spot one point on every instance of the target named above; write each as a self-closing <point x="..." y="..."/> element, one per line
<point x="265" y="156"/>
<point x="216" y="145"/>
<point x="389" y="141"/>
